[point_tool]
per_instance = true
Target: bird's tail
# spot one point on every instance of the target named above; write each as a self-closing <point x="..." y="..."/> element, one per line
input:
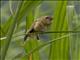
<point x="25" y="37"/>
<point x="29" y="31"/>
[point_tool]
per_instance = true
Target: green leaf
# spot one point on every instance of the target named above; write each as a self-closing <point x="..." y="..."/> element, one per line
<point x="60" y="24"/>
<point x="9" y="36"/>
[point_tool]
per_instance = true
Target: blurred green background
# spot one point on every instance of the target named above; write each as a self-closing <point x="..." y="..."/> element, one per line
<point x="16" y="18"/>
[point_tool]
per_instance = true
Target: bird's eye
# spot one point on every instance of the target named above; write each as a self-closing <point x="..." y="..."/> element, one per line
<point x="47" y="17"/>
<point x="50" y="18"/>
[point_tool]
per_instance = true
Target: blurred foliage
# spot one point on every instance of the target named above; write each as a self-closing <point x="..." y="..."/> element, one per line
<point x="17" y="17"/>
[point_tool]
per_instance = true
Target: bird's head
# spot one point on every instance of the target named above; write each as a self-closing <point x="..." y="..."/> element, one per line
<point x="48" y="19"/>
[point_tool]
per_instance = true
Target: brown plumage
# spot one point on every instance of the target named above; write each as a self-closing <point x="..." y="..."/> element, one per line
<point x="38" y="26"/>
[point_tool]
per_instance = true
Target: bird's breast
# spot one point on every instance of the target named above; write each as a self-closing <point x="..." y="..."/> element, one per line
<point x="39" y="26"/>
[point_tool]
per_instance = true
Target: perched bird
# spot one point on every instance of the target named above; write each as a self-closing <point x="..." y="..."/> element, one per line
<point x="39" y="25"/>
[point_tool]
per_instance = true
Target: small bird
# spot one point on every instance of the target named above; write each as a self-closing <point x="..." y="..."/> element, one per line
<point x="39" y="25"/>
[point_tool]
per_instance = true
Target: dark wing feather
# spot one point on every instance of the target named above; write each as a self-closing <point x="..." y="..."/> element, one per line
<point x="29" y="31"/>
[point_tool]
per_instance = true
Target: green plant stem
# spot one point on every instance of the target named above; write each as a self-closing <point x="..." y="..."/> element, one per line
<point x="47" y="43"/>
<point x="51" y="32"/>
<point x="10" y="33"/>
